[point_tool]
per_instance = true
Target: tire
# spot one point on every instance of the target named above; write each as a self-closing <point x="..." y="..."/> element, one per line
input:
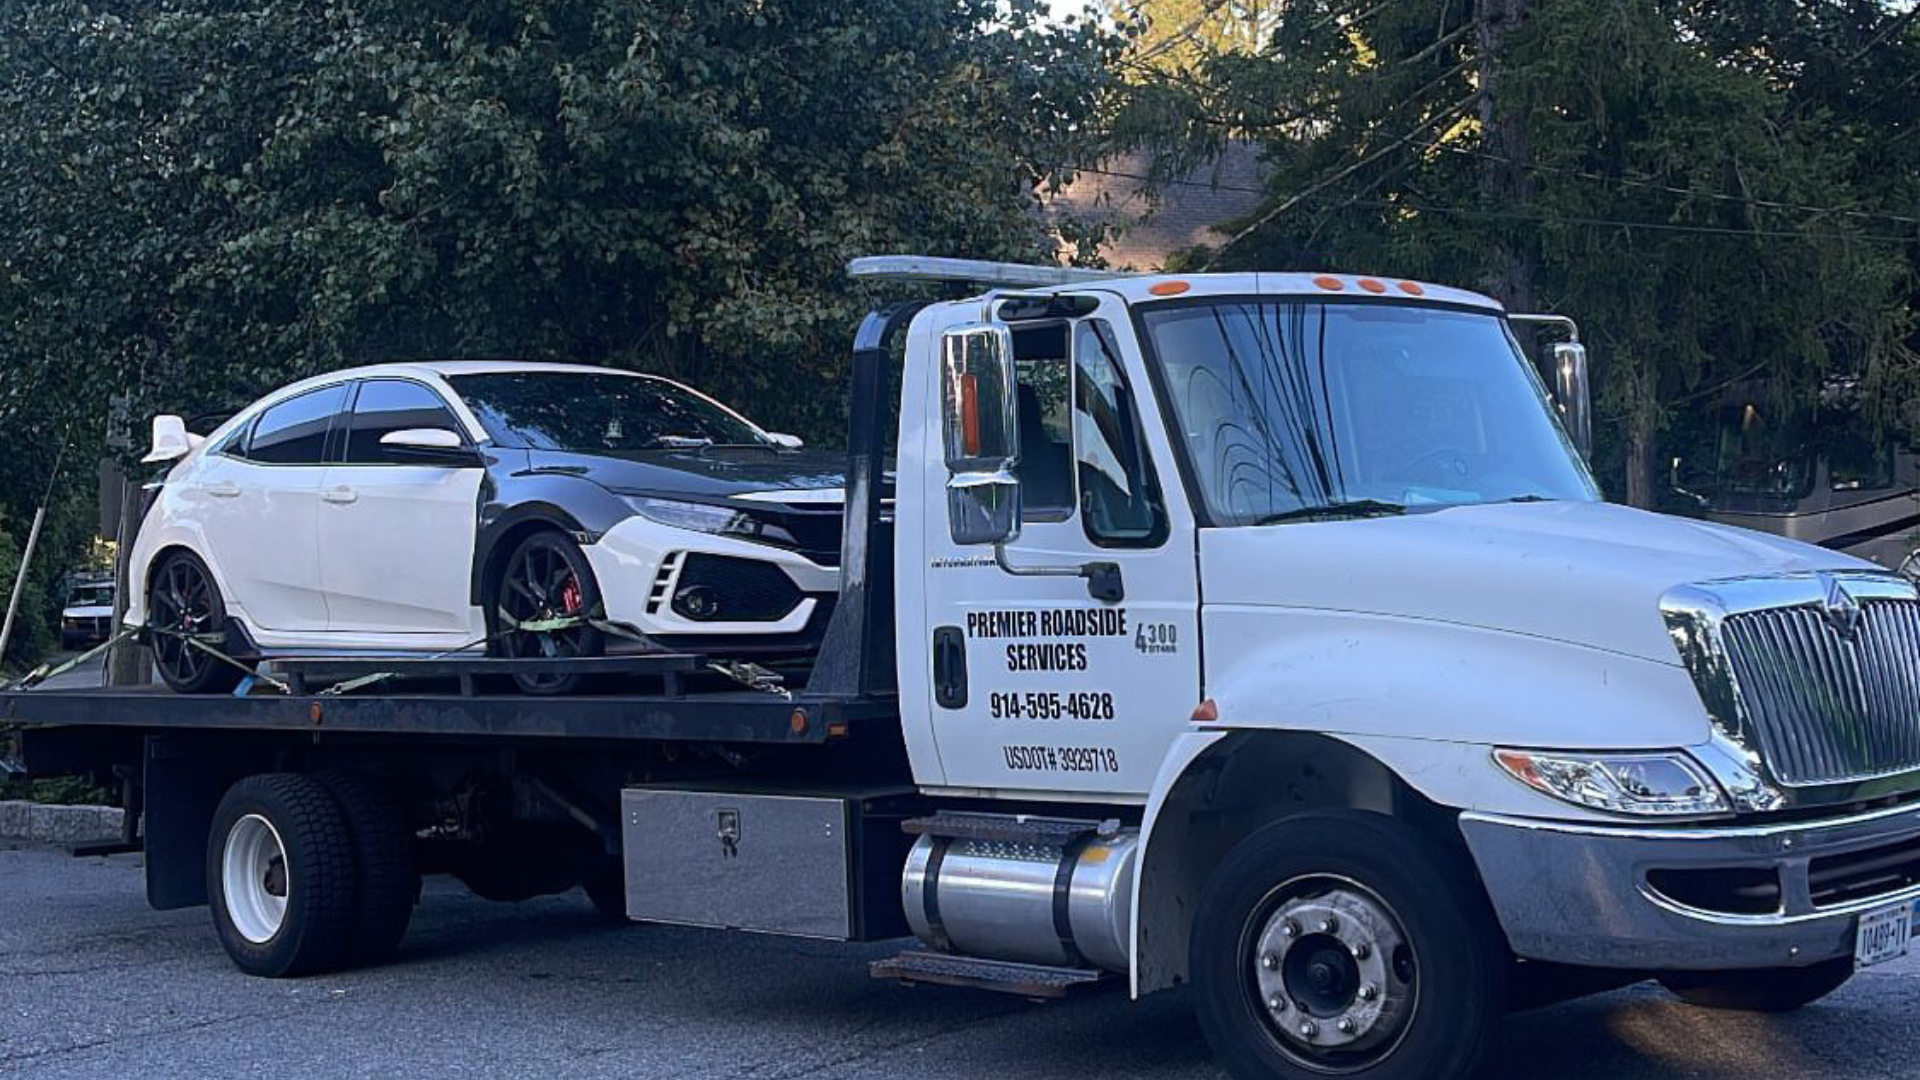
<point x="384" y="863"/>
<point x="1774" y="990"/>
<point x="1414" y="958"/>
<point x="182" y="597"/>
<point x="282" y="832"/>
<point x="546" y="576"/>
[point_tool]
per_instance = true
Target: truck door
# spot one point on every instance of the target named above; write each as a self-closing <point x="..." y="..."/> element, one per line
<point x="1066" y="660"/>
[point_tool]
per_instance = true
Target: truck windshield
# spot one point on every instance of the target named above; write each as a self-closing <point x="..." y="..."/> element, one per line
<point x="1293" y="407"/>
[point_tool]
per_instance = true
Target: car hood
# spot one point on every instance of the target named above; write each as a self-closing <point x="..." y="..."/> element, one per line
<point x="712" y="472"/>
<point x="1585" y="573"/>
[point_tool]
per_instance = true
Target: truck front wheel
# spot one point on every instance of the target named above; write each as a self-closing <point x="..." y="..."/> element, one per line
<point x="1344" y="943"/>
<point x="280" y="875"/>
<point x="1774" y="990"/>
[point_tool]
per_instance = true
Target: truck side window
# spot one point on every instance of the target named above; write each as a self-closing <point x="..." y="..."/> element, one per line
<point x="1119" y="494"/>
<point x="1046" y="426"/>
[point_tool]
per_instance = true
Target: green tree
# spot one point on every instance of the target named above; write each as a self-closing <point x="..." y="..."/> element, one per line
<point x="199" y="202"/>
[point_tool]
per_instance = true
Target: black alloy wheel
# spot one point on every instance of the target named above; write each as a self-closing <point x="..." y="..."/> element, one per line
<point x="183" y="602"/>
<point x="547" y="578"/>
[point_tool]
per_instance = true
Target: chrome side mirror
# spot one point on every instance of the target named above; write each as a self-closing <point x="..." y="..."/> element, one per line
<point x="981" y="433"/>
<point x="1572" y="393"/>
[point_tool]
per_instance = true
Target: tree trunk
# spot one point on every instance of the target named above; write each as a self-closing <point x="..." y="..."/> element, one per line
<point x="1506" y="180"/>
<point x="1643" y="418"/>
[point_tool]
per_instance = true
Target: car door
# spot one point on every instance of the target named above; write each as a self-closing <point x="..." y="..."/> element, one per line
<point x="257" y="504"/>
<point x="397" y="533"/>
<point x="1059" y="691"/>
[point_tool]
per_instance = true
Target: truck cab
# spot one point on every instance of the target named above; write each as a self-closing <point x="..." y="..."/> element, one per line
<point x="1310" y="570"/>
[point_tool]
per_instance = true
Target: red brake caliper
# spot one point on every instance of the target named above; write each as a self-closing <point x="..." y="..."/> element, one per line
<point x="570" y="596"/>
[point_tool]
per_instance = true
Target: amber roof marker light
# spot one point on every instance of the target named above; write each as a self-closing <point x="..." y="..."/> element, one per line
<point x="1169" y="288"/>
<point x="1329" y="283"/>
<point x="1372" y="286"/>
<point x="1412" y="288"/>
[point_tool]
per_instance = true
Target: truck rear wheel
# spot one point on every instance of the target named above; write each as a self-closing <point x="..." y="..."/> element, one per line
<point x="1343" y="944"/>
<point x="280" y="876"/>
<point x="1774" y="990"/>
<point x="384" y="864"/>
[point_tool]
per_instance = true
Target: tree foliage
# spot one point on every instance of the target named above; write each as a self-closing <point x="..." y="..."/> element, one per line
<point x="201" y="201"/>
<point x="1720" y="192"/>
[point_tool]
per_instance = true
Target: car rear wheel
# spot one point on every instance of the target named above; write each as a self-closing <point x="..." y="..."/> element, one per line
<point x="547" y="578"/>
<point x="183" y="602"/>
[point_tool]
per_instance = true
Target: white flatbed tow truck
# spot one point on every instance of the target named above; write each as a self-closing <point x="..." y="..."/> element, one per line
<point x="1264" y="633"/>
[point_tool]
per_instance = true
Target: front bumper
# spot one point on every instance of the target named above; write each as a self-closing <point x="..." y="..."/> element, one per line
<point x="1587" y="894"/>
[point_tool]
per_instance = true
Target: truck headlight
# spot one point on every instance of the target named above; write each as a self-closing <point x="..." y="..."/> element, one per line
<point x="1647" y="785"/>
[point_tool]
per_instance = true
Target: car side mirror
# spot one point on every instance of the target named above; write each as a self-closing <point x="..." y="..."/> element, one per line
<point x="786" y="441"/>
<point x="171" y="440"/>
<point x="981" y="434"/>
<point x="428" y="446"/>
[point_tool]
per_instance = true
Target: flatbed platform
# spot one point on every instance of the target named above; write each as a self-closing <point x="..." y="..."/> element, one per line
<point x="743" y="716"/>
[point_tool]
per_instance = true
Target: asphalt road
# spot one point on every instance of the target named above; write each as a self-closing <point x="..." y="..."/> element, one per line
<point x="95" y="984"/>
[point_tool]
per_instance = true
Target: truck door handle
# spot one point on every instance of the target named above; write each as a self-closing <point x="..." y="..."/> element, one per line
<point x="949" y="667"/>
<point x="342" y="494"/>
<point x="224" y="489"/>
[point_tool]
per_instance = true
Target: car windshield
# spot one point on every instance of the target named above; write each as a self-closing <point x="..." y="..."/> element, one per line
<point x="1293" y="409"/>
<point x="595" y="412"/>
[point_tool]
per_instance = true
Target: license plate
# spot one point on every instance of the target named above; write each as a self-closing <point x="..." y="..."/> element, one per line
<point x="1884" y="935"/>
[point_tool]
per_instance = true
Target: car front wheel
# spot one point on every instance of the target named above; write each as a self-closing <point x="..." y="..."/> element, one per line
<point x="547" y="579"/>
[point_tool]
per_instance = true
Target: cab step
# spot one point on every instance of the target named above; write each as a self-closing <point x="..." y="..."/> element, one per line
<point x="1036" y="982"/>
<point x="1007" y="828"/>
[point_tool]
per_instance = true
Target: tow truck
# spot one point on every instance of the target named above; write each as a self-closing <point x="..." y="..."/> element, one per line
<point x="1262" y="633"/>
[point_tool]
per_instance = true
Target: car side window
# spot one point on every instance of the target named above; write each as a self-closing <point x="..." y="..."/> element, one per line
<point x="1119" y="493"/>
<point x="388" y="405"/>
<point x="294" y="432"/>
<point x="235" y="444"/>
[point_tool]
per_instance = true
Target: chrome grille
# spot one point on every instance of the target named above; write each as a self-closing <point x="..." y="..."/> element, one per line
<point x="1828" y="707"/>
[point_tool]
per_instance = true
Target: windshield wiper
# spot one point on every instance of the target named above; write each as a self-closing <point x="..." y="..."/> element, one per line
<point x="681" y="442"/>
<point x="1530" y="497"/>
<point x="1333" y="511"/>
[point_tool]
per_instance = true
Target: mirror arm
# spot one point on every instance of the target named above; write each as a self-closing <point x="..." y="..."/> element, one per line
<point x="1104" y="582"/>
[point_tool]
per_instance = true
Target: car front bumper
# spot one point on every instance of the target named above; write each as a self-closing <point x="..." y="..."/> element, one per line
<point x="1603" y="896"/>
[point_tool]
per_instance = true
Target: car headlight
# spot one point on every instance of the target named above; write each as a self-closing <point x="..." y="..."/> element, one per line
<point x="1649" y="785"/>
<point x="706" y="518"/>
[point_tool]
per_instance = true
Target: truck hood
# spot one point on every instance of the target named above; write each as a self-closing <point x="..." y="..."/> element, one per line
<point x="1584" y="573"/>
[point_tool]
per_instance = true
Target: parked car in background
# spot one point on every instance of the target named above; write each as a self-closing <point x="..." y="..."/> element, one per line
<point x="87" y="617"/>
<point x="420" y="508"/>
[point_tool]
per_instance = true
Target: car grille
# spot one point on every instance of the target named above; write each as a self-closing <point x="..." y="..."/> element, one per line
<point x="1829" y="707"/>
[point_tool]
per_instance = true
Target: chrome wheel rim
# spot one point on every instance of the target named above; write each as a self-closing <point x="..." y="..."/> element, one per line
<point x="1331" y="973"/>
<point x="253" y="878"/>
